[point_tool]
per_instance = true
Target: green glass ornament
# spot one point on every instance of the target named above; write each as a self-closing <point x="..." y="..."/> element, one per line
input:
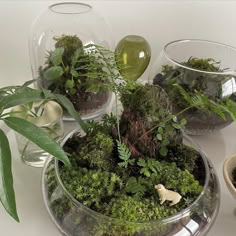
<point x="133" y="52"/>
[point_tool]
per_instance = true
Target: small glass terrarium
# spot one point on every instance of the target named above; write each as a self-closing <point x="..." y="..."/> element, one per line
<point x="66" y="42"/>
<point x="74" y="218"/>
<point x="137" y="174"/>
<point x="199" y="78"/>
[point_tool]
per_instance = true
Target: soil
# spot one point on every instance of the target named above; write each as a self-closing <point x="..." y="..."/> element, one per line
<point x="92" y="103"/>
<point x="234" y="177"/>
<point x="200" y="122"/>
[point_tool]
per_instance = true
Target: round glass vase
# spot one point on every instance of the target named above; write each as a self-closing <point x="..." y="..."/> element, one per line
<point x="74" y="219"/>
<point x="197" y="68"/>
<point x="59" y="34"/>
<point x="49" y="120"/>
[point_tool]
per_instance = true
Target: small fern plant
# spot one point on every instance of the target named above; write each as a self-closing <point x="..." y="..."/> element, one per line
<point x="200" y="101"/>
<point x="124" y="155"/>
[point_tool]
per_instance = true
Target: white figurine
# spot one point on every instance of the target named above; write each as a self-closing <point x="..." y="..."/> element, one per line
<point x="168" y="195"/>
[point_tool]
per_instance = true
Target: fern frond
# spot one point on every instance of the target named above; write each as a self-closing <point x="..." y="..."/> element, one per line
<point x="202" y="102"/>
<point x="123" y="150"/>
<point x="184" y="94"/>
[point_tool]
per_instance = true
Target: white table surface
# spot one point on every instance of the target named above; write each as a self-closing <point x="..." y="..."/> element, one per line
<point x="159" y="22"/>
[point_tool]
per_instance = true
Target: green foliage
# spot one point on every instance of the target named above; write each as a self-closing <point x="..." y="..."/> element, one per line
<point x="91" y="187"/>
<point x="136" y="186"/>
<point x="149" y="167"/>
<point x="108" y="121"/>
<point x="65" y="48"/>
<point x="208" y="64"/>
<point x="147" y="122"/>
<point x="167" y="132"/>
<point x="152" y="102"/>
<point x="22" y="95"/>
<point x="184" y="156"/>
<point x="173" y="178"/>
<point x="6" y="180"/>
<point x="36" y="135"/>
<point x="79" y="71"/>
<point x="192" y="90"/>
<point x="131" y="209"/>
<point x="93" y="151"/>
<point x="124" y="155"/>
<point x="201" y="101"/>
<point x="169" y="175"/>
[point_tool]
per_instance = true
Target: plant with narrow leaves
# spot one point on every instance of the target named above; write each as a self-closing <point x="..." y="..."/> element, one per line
<point x="22" y="95"/>
<point x="200" y="101"/>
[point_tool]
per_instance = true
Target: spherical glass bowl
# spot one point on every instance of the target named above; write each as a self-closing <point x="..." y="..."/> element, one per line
<point x="71" y="20"/>
<point x="199" y="67"/>
<point x="74" y="219"/>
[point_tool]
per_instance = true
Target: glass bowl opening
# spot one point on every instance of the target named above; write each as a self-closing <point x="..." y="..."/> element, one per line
<point x="180" y="51"/>
<point x="70" y="8"/>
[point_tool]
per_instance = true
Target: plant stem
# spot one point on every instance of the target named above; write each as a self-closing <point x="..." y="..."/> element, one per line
<point x="116" y="96"/>
<point x="117" y="119"/>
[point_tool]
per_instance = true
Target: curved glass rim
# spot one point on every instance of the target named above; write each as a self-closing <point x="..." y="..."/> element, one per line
<point x="89" y="7"/>
<point x="178" y="215"/>
<point x="179" y="41"/>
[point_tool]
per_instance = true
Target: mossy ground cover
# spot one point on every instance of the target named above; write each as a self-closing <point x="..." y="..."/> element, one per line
<point x="115" y="170"/>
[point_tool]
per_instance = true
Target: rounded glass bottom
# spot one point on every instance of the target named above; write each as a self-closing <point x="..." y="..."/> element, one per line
<point x="74" y="219"/>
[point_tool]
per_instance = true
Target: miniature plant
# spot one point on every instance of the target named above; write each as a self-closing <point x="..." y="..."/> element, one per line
<point x="199" y="85"/>
<point x="17" y="95"/>
<point x="83" y="74"/>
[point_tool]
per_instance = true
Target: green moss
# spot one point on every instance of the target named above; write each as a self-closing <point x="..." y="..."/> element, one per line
<point x="180" y="181"/>
<point x="130" y="209"/>
<point x="93" y="151"/>
<point x="70" y="43"/>
<point x="208" y="64"/>
<point x="152" y="103"/>
<point x="92" y="188"/>
<point x="185" y="157"/>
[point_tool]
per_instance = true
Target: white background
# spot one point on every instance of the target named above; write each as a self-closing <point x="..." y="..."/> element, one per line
<point x="159" y="22"/>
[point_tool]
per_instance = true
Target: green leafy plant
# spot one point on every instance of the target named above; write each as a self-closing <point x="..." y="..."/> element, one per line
<point x="197" y="88"/>
<point x="124" y="155"/>
<point x="22" y="95"/>
<point x="84" y="74"/>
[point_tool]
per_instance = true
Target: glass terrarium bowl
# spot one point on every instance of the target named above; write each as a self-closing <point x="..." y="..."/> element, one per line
<point x="74" y="219"/>
<point x="81" y="26"/>
<point x="199" y="67"/>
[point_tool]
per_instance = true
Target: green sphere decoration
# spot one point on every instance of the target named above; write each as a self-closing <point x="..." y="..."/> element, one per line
<point x="133" y="52"/>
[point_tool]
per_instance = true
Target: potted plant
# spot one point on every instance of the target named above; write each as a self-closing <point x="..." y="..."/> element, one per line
<point x="188" y="68"/>
<point x="12" y="96"/>
<point x="65" y="35"/>
<point x="81" y="73"/>
<point x="120" y="167"/>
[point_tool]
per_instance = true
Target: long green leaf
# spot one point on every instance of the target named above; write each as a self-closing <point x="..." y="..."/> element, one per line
<point x="65" y="102"/>
<point x="7" y="194"/>
<point x="37" y="136"/>
<point x="22" y="97"/>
